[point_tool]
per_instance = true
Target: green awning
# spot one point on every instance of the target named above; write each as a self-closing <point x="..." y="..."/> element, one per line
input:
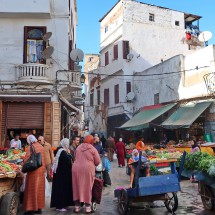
<point x="185" y="115"/>
<point x="143" y="118"/>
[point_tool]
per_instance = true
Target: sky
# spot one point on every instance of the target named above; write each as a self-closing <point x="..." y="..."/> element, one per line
<point x="91" y="11"/>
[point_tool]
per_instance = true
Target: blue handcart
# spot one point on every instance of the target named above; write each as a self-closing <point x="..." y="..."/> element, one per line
<point x="153" y="188"/>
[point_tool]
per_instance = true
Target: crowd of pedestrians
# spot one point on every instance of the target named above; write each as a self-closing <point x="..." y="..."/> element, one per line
<point x="71" y="168"/>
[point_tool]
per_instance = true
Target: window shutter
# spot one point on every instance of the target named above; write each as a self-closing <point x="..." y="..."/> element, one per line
<point x="116" y="93"/>
<point x="115" y="51"/>
<point x="106" y="58"/>
<point x="98" y="96"/>
<point x="125" y="49"/>
<point x="91" y="99"/>
<point x="106" y="97"/>
<point x="128" y="87"/>
<point x="71" y="62"/>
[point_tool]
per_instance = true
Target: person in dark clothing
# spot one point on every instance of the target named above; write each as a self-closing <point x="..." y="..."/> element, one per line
<point x="62" y="196"/>
<point x="103" y="140"/>
<point x="98" y="145"/>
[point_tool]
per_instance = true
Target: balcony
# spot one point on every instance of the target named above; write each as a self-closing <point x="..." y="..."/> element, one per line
<point x="77" y="96"/>
<point x="25" y="9"/>
<point x="33" y="73"/>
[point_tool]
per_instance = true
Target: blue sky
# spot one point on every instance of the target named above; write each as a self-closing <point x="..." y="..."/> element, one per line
<point x="90" y="11"/>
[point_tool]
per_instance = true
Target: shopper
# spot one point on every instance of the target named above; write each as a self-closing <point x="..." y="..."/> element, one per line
<point x="140" y="144"/>
<point x="110" y="148"/>
<point x="61" y="196"/>
<point x="49" y="156"/>
<point x="83" y="173"/>
<point x="120" y="150"/>
<point x="34" y="194"/>
<point x="74" y="145"/>
<point x="98" y="145"/>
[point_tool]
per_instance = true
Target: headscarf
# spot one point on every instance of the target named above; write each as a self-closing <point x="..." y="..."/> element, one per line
<point x="89" y="139"/>
<point x="120" y="139"/>
<point x="64" y="143"/>
<point x="31" y="139"/>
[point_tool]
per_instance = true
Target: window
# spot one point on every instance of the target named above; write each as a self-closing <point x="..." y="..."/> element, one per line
<point x="128" y="87"/>
<point x="115" y="52"/>
<point x="126" y="49"/>
<point x="90" y="59"/>
<point x="98" y="96"/>
<point x="177" y="23"/>
<point x="156" y="99"/>
<point x="71" y="62"/>
<point x="106" y="28"/>
<point x="106" y="97"/>
<point x="106" y="58"/>
<point x="116" y="93"/>
<point x="151" y="17"/>
<point x="91" y="99"/>
<point x="34" y="44"/>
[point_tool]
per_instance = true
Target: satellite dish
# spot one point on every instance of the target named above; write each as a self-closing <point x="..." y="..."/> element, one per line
<point x="47" y="52"/>
<point x="130" y="57"/>
<point x="205" y="36"/>
<point x="77" y="55"/>
<point x="47" y="36"/>
<point x="130" y="97"/>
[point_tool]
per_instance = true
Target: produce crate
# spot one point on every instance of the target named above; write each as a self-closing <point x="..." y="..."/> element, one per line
<point x="164" y="164"/>
<point x="6" y="185"/>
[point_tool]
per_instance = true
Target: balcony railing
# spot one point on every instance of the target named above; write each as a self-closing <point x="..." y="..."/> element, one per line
<point x="32" y="72"/>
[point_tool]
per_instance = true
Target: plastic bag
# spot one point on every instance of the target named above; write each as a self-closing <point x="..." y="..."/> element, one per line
<point x="115" y="156"/>
<point x="47" y="189"/>
<point x="22" y="188"/>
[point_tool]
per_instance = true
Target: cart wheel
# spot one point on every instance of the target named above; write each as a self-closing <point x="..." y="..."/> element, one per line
<point x="171" y="202"/>
<point x="10" y="204"/>
<point x="206" y="196"/>
<point x="93" y="206"/>
<point x="123" y="204"/>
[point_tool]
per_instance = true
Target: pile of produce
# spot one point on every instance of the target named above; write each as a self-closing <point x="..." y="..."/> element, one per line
<point x="6" y="167"/>
<point x="200" y="161"/>
<point x="13" y="154"/>
<point x="165" y="155"/>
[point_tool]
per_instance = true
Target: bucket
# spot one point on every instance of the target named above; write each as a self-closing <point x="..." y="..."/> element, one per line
<point x="208" y="138"/>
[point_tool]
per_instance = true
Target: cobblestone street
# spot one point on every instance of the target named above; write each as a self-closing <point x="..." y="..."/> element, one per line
<point x="189" y="200"/>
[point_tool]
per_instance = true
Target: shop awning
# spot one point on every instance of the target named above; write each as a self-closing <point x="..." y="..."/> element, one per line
<point x="67" y="103"/>
<point x="143" y="118"/>
<point x="185" y="115"/>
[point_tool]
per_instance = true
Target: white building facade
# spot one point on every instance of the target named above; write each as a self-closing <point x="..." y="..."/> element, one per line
<point x="135" y="37"/>
<point x="33" y="77"/>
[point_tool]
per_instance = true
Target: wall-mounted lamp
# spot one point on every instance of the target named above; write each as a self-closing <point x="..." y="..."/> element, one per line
<point x="82" y="78"/>
<point x="83" y="96"/>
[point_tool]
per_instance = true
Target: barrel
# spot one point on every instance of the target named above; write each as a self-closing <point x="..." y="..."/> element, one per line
<point x="208" y="138"/>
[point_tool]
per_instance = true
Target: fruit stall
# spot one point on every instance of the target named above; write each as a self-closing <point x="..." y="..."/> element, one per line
<point x="201" y="166"/>
<point x="10" y="181"/>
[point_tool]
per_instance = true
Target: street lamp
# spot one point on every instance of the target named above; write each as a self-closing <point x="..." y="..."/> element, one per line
<point x="82" y="78"/>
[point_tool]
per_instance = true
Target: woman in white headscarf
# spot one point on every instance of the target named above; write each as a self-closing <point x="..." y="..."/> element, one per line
<point x="34" y="194"/>
<point x="61" y="196"/>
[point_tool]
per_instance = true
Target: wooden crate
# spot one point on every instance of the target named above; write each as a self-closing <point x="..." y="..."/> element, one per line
<point x="6" y="185"/>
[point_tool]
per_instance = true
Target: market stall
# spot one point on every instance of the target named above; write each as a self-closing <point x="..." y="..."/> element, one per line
<point x="10" y="181"/>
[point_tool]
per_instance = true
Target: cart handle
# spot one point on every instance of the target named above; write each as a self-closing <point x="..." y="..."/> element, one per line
<point x="182" y="165"/>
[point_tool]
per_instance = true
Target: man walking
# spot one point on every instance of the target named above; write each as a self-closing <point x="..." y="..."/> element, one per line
<point x="75" y="143"/>
<point x="49" y="156"/>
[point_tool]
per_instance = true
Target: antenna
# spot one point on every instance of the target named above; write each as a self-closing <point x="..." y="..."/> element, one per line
<point x="77" y="55"/>
<point x="47" y="36"/>
<point x="205" y="36"/>
<point x="130" y="97"/>
<point x="47" y="52"/>
<point x="130" y="57"/>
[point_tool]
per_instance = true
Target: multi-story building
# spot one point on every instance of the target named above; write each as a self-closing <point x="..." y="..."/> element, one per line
<point x="38" y="79"/>
<point x="134" y="37"/>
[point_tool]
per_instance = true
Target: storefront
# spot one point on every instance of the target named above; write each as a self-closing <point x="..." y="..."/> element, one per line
<point x="29" y="115"/>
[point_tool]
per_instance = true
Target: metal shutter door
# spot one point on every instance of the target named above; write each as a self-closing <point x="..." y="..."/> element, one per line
<point x="25" y="115"/>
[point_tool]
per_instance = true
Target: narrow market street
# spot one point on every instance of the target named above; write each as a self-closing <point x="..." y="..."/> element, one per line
<point x="189" y="200"/>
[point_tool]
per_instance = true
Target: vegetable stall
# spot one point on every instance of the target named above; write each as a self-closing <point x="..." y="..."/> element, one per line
<point x="202" y="166"/>
<point x="10" y="181"/>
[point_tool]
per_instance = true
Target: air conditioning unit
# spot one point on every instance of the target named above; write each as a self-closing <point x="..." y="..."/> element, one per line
<point x="130" y="97"/>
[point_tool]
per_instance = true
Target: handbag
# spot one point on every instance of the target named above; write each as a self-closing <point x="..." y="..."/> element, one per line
<point x="97" y="190"/>
<point x="33" y="162"/>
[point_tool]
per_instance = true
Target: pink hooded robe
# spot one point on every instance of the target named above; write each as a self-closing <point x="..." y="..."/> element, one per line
<point x="83" y="172"/>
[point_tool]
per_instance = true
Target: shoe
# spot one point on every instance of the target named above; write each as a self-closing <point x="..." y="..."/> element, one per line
<point x="38" y="212"/>
<point x="77" y="209"/>
<point x="89" y="210"/>
<point x="61" y="210"/>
